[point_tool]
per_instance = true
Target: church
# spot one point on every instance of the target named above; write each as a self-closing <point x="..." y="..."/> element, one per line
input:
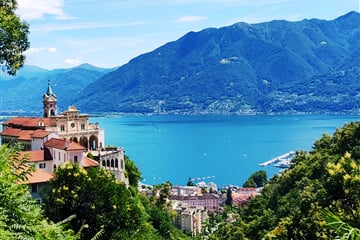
<point x="54" y="139"/>
<point x="31" y="132"/>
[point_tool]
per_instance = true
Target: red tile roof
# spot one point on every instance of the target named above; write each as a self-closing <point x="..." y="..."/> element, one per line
<point x="63" y="144"/>
<point x="88" y="162"/>
<point x="39" y="176"/>
<point x="28" y="121"/>
<point x="25" y="134"/>
<point x="34" y="156"/>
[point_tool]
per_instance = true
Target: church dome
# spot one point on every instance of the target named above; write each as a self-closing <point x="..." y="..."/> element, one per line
<point x="72" y="108"/>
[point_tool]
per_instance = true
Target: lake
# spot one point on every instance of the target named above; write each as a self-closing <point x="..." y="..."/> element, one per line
<point x="221" y="149"/>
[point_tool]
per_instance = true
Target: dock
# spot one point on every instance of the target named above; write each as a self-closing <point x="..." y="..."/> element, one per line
<point x="278" y="159"/>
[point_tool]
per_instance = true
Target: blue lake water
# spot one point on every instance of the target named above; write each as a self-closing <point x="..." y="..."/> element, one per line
<point x="222" y="149"/>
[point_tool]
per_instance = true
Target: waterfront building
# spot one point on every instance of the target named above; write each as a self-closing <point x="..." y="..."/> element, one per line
<point x="53" y="139"/>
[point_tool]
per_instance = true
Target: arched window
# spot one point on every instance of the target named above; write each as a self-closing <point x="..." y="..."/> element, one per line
<point x="122" y="164"/>
<point x="54" y="167"/>
<point x="112" y="162"/>
<point x="104" y="163"/>
<point x="116" y="163"/>
<point x="108" y="163"/>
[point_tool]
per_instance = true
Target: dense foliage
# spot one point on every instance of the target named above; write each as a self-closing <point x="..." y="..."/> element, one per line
<point x="20" y="216"/>
<point x="291" y="205"/>
<point x="13" y="37"/>
<point x="105" y="207"/>
<point x="98" y="201"/>
<point x="256" y="180"/>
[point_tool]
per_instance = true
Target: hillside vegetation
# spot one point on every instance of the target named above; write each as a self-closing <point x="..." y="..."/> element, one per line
<point x="321" y="187"/>
<point x="296" y="203"/>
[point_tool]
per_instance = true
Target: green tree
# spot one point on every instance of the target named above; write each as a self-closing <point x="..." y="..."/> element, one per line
<point x="97" y="200"/>
<point x="257" y="179"/>
<point x="250" y="183"/>
<point x="13" y="37"/>
<point x="190" y="182"/>
<point x="229" y="199"/>
<point x="132" y="172"/>
<point x="20" y="216"/>
<point x="343" y="230"/>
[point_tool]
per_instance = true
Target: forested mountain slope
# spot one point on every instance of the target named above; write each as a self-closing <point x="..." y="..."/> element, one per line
<point x="22" y="94"/>
<point x="273" y="67"/>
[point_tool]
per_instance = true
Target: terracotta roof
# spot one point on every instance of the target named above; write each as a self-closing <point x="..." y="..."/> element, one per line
<point x="39" y="176"/>
<point x="34" y="156"/>
<point x="25" y="134"/>
<point x="63" y="144"/>
<point x="88" y="162"/>
<point x="28" y="121"/>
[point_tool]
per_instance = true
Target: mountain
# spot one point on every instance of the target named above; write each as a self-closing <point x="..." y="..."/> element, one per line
<point x="23" y="93"/>
<point x="273" y="67"/>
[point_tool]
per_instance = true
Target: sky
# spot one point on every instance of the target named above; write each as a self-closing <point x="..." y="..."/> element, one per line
<point x="109" y="33"/>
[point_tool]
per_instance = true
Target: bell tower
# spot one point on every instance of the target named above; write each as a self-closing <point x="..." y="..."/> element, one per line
<point x="49" y="103"/>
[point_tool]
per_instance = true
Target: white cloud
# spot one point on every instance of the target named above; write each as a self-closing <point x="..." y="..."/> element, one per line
<point x="34" y="50"/>
<point x="191" y="18"/>
<point x="73" y="61"/>
<point x="36" y="9"/>
<point x="52" y="50"/>
<point x="86" y="25"/>
<point x="40" y="49"/>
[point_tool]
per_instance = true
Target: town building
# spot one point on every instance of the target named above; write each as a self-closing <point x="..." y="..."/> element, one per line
<point x="189" y="218"/>
<point x="242" y="195"/>
<point x="210" y="201"/>
<point x="52" y="140"/>
<point x="185" y="190"/>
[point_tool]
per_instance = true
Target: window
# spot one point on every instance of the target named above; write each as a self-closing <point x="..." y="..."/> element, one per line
<point x="42" y="165"/>
<point x="34" y="188"/>
<point x="62" y="128"/>
<point x="82" y="126"/>
<point x="116" y="163"/>
<point x="75" y="159"/>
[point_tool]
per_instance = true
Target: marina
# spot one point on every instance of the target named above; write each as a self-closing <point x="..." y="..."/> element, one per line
<point x="281" y="161"/>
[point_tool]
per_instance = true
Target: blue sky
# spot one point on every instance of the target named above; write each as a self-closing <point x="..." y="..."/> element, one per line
<point x="109" y="33"/>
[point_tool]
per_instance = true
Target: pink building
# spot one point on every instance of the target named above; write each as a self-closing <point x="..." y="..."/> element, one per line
<point x="210" y="201"/>
<point x="242" y="195"/>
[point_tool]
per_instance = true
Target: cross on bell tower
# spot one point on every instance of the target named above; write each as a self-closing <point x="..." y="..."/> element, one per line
<point x="49" y="102"/>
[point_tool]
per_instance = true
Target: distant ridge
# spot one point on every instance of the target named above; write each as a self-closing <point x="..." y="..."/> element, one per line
<point x="276" y="67"/>
<point x="308" y="66"/>
<point x="22" y="94"/>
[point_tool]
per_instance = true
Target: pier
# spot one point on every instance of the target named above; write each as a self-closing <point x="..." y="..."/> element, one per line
<point x="278" y="159"/>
